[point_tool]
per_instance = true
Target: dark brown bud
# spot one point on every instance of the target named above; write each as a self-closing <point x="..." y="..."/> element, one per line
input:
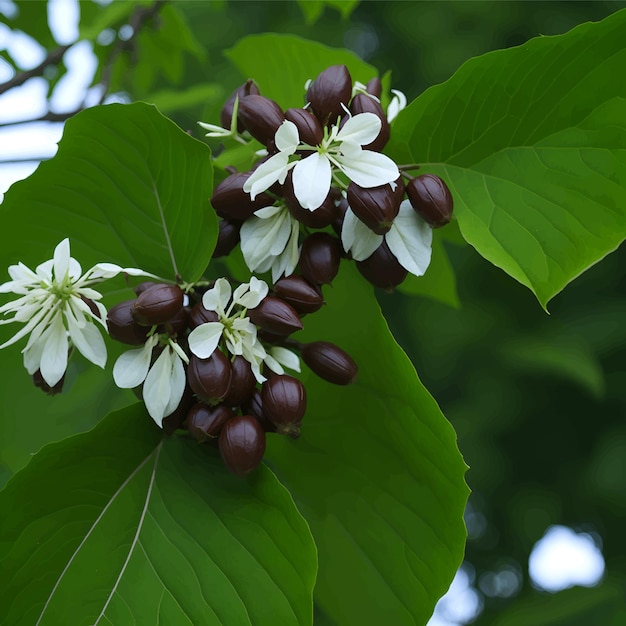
<point x="231" y="202"/>
<point x="226" y="115"/>
<point x="342" y="207"/>
<point x="205" y="422"/>
<point x="210" y="378"/>
<point x="309" y="129"/>
<point x="382" y="268"/>
<point x="227" y="238"/>
<point x="376" y="207"/>
<point x="431" y="199"/>
<point x="275" y="316"/>
<point x="331" y="89"/>
<point x="177" y="326"/>
<point x="242" y="382"/>
<point x="362" y="103"/>
<point x="199" y="315"/>
<point x="158" y="304"/>
<point x="374" y="87"/>
<point x="40" y="383"/>
<point x="320" y="217"/>
<point x="330" y="362"/>
<point x="242" y="444"/>
<point x="284" y="402"/>
<point x="122" y="325"/>
<point x="141" y="287"/>
<point x="92" y="306"/>
<point x="175" y="420"/>
<point x="261" y="117"/>
<point x="300" y="294"/>
<point x="320" y="257"/>
<point x="254" y="406"/>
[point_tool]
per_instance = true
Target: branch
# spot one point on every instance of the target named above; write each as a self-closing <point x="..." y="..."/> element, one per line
<point x="24" y="160"/>
<point x="53" y="57"/>
<point x="48" y="117"/>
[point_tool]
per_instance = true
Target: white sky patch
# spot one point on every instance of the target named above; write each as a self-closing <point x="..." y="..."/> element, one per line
<point x="461" y="604"/>
<point x="81" y="66"/>
<point x="63" y="17"/>
<point x="563" y="558"/>
<point x="24" y="50"/>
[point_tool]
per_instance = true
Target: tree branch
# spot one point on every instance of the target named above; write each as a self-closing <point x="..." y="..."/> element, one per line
<point x="48" y="117"/>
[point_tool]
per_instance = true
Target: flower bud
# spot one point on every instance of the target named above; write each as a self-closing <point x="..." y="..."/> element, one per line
<point x="227" y="238"/>
<point x="331" y="89"/>
<point x="431" y="199"/>
<point x="319" y="258"/>
<point x="199" y="315"/>
<point x="242" y="382"/>
<point x="122" y="325"/>
<point x="205" y="422"/>
<point x="284" y="402"/>
<point x="231" y="202"/>
<point x="382" y="268"/>
<point x="226" y="114"/>
<point x="141" y="287"/>
<point x="210" y="378"/>
<point x="275" y="316"/>
<point x="177" y="325"/>
<point x="254" y="406"/>
<point x="337" y="223"/>
<point x="309" y="129"/>
<point x="40" y="383"/>
<point x="320" y="217"/>
<point x="158" y="304"/>
<point x="376" y="207"/>
<point x="242" y="444"/>
<point x="300" y="294"/>
<point x="330" y="362"/>
<point x="175" y="420"/>
<point x="374" y="87"/>
<point x="362" y="103"/>
<point x="261" y="117"/>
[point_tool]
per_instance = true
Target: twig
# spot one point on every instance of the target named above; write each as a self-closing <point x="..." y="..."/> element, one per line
<point x="24" y="160"/>
<point x="48" y="117"/>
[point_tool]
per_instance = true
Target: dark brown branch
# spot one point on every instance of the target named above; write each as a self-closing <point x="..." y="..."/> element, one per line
<point x="48" y="117"/>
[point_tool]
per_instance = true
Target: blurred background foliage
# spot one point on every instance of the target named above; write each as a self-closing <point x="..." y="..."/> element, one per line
<point x="538" y="401"/>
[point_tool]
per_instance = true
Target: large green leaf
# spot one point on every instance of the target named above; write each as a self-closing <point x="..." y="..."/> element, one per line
<point x="376" y="473"/>
<point x="127" y="185"/>
<point x="532" y="141"/>
<point x="281" y="64"/>
<point x="119" y="526"/>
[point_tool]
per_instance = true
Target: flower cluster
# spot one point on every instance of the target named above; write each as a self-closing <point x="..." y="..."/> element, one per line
<point x="323" y="169"/>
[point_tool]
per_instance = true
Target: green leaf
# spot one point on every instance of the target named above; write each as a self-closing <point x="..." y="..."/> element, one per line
<point x="94" y="18"/>
<point x="531" y="141"/>
<point x="127" y="186"/>
<point x="439" y="282"/>
<point x="313" y="9"/>
<point x="376" y="472"/>
<point x="169" y="100"/>
<point x="144" y="531"/>
<point x="281" y="64"/>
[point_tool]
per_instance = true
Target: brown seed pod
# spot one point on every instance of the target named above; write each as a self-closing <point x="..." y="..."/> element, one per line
<point x="141" y="287"/>
<point x="330" y="362"/>
<point x="382" y="268"/>
<point x="122" y="325"/>
<point x="331" y="89"/>
<point x="320" y="217"/>
<point x="227" y="238"/>
<point x="362" y="103"/>
<point x="374" y="87"/>
<point x="175" y="420"/>
<point x="284" y="403"/>
<point x="199" y="315"/>
<point x="309" y="129"/>
<point x="376" y="207"/>
<point x="275" y="316"/>
<point x="430" y="197"/>
<point x="40" y="383"/>
<point x="242" y="444"/>
<point x="242" y="382"/>
<point x="320" y="257"/>
<point x="158" y="304"/>
<point x="342" y="207"/>
<point x="205" y="422"/>
<point x="210" y="378"/>
<point x="177" y="325"/>
<point x="261" y="117"/>
<point x="231" y="202"/>
<point x="254" y="406"/>
<point x="299" y="293"/>
<point x="226" y="115"/>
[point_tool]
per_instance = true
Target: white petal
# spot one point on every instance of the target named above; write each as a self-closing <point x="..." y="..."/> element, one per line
<point x="101" y="271"/>
<point x="286" y="137"/>
<point x="54" y="355"/>
<point x="204" y="339"/>
<point x="44" y="270"/>
<point x="311" y="180"/>
<point x="87" y="340"/>
<point x="273" y="364"/>
<point x="61" y="263"/>
<point x="398" y="102"/>
<point x="21" y="273"/>
<point x="410" y="240"/>
<point x="258" y="290"/>
<point x="286" y="357"/>
<point x="357" y="238"/>
<point x="216" y="131"/>
<point x="370" y="169"/>
<point x="164" y="386"/>
<point x="268" y="211"/>
<point x="217" y="298"/>
<point x="361" y="129"/>
<point x="131" y="368"/>
<point x="264" y="176"/>
<point x="32" y="356"/>
<point x="262" y="238"/>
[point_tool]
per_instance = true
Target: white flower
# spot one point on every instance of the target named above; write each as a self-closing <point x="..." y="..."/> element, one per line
<point x="340" y="150"/>
<point x="163" y="383"/>
<point x="238" y="332"/>
<point x="51" y="306"/>
<point x="398" y="102"/>
<point x="269" y="240"/>
<point x="410" y="239"/>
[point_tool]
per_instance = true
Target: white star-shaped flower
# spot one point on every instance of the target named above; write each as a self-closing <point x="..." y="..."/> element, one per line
<point x="409" y="239"/>
<point x="53" y="308"/>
